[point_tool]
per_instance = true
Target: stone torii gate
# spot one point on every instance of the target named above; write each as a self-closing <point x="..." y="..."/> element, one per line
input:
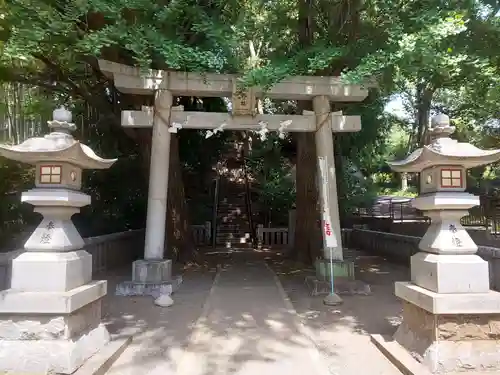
<point x="152" y="275"/>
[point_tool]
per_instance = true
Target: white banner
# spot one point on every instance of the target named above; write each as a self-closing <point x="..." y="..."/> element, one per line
<point x="328" y="232"/>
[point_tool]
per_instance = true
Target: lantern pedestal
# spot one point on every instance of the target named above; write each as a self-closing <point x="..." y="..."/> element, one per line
<point x="56" y="232"/>
<point x="450" y="332"/>
<point x="50" y="318"/>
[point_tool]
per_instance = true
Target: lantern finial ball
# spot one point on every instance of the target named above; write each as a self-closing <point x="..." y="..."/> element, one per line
<point x="61" y="114"/>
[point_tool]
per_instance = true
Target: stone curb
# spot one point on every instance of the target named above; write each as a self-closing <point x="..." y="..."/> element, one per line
<point x="398" y="356"/>
<point x="403" y="360"/>
<point x="101" y="362"/>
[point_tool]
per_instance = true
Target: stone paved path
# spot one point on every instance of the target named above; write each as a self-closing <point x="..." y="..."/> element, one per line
<point x="247" y="328"/>
<point x="242" y="324"/>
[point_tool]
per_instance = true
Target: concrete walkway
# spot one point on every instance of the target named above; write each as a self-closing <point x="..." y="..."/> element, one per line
<point x="247" y="328"/>
<point x="238" y="319"/>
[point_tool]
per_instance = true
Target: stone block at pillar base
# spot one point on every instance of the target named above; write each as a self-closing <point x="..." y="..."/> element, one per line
<point x="151" y="271"/>
<point x="450" y="333"/>
<point x="343" y="279"/>
<point x="343" y="287"/>
<point x="41" y="343"/>
<point x="342" y="269"/>
<point x="150" y="278"/>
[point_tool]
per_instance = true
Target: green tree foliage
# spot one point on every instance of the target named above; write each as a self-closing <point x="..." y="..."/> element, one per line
<point x="274" y="190"/>
<point x="426" y="51"/>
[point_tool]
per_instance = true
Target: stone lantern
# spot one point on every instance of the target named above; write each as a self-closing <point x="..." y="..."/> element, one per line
<point x="451" y="318"/>
<point x="50" y="318"/>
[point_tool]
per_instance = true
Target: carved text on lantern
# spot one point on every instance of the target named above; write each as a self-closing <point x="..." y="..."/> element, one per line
<point x="47" y="235"/>
<point x="457" y="242"/>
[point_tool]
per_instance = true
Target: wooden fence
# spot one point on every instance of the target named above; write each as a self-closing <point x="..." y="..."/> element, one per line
<point x="272" y="237"/>
<point x="267" y="237"/>
<point x="202" y="233"/>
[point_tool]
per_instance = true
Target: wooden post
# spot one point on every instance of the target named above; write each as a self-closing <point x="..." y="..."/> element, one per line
<point x="260" y="234"/>
<point x="208" y="231"/>
<point x="291" y="228"/>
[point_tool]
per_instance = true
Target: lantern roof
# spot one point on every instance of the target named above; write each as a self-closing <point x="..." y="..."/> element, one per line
<point x="444" y="151"/>
<point x="58" y="146"/>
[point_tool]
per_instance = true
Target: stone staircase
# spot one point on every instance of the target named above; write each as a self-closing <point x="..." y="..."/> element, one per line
<point x="233" y="228"/>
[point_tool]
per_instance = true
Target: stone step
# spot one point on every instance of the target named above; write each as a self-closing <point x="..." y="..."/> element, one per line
<point x="229" y="219"/>
<point x="229" y="229"/>
<point x="231" y="210"/>
<point x="234" y="243"/>
<point x="228" y="232"/>
<point x="233" y="235"/>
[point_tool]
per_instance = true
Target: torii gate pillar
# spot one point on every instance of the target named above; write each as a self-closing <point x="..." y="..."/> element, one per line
<point x="330" y="218"/>
<point x="153" y="274"/>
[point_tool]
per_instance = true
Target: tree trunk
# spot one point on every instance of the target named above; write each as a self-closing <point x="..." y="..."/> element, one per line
<point x="424" y="101"/>
<point x="307" y="230"/>
<point x="179" y="241"/>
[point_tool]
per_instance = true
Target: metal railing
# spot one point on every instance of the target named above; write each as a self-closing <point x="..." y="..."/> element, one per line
<point x="396" y="209"/>
<point x="486" y="215"/>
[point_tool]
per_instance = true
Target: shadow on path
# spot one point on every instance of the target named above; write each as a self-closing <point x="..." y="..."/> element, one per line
<point x="342" y="332"/>
<point x="238" y="324"/>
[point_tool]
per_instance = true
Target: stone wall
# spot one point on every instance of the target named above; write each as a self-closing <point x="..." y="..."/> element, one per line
<point x="418" y="228"/>
<point x="480" y="235"/>
<point x="108" y="252"/>
<point x="399" y="248"/>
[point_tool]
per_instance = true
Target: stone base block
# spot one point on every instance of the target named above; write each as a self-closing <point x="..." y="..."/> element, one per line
<point x="342" y="287"/>
<point x="341" y="269"/>
<point x="51" y="356"/>
<point x="151" y="271"/>
<point x="51" y="343"/>
<point x="50" y="326"/>
<point x="13" y="301"/>
<point x="131" y="288"/>
<point x="453" y="303"/>
<point x="450" y="332"/>
<point x="150" y="278"/>
<point x="451" y="342"/>
<point x="67" y="271"/>
<point x="450" y="273"/>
